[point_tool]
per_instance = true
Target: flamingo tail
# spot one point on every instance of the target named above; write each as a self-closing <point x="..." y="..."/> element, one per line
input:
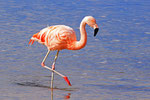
<point x="31" y="42"/>
<point x="35" y="37"/>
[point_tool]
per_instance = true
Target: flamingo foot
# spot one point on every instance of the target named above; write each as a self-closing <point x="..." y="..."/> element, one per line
<point x="42" y="64"/>
<point x="67" y="80"/>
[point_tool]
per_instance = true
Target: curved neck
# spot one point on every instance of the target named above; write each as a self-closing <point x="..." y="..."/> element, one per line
<point x="83" y="37"/>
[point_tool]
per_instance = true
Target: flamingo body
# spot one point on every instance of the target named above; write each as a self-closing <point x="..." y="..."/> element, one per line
<point x="56" y="37"/>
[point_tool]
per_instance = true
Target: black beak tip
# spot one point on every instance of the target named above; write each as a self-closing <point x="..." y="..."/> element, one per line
<point x="95" y="31"/>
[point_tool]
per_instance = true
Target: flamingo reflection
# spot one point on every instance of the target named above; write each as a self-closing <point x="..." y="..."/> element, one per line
<point x="66" y="97"/>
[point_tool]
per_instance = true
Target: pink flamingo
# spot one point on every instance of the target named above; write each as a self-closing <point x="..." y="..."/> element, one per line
<point x="59" y="37"/>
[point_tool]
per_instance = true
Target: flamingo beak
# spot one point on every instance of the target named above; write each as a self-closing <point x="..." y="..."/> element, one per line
<point x="95" y="31"/>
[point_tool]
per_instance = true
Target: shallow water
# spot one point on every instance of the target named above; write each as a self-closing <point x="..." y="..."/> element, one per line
<point x="113" y="66"/>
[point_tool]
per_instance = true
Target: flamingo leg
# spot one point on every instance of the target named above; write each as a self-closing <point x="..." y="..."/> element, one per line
<point x="45" y="58"/>
<point x="53" y="68"/>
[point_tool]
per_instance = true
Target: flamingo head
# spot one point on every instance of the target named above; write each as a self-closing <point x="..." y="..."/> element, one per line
<point x="92" y="23"/>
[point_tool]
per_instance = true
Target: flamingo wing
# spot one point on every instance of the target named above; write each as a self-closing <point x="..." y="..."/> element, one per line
<point x="56" y="37"/>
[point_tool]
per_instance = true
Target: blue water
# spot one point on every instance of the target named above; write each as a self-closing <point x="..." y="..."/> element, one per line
<point x="113" y="66"/>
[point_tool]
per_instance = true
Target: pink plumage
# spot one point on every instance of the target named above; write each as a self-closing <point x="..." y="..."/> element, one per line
<point x="56" y="37"/>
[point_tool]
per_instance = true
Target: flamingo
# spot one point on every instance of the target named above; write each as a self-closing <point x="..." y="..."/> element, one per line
<point x="59" y="37"/>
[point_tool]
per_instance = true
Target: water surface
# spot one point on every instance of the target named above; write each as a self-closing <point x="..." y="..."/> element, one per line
<point x="113" y="66"/>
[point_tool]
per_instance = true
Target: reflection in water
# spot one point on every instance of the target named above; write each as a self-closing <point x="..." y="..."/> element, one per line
<point x="51" y="93"/>
<point x="33" y="84"/>
<point x="67" y="97"/>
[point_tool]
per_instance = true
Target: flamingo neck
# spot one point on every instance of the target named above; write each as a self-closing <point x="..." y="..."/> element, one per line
<point x="83" y="37"/>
